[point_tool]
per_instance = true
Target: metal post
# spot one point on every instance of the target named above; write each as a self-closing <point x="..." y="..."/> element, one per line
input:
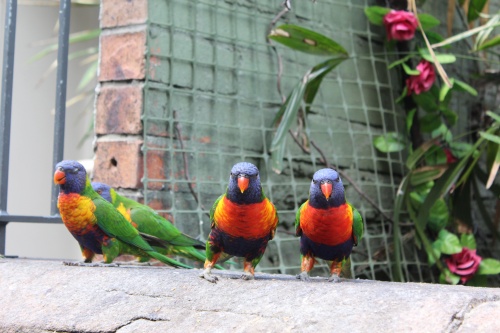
<point x="6" y="109"/>
<point x="62" y="76"/>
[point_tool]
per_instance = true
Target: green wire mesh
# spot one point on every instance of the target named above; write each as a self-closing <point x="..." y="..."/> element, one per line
<point x="211" y="101"/>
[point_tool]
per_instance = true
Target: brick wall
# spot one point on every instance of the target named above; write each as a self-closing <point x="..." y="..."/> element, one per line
<point x="120" y="96"/>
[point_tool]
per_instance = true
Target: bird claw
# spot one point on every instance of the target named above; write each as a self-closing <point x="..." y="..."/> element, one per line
<point x="90" y="264"/>
<point x="247" y="276"/>
<point x="334" y="278"/>
<point x="209" y="277"/>
<point x="304" y="277"/>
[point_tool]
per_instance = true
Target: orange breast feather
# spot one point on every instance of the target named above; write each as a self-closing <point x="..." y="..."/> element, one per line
<point x="77" y="212"/>
<point x="331" y="226"/>
<point x="248" y="221"/>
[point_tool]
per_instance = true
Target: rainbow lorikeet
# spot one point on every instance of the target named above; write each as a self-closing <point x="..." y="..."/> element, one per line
<point x="148" y="221"/>
<point x="327" y="224"/>
<point x="95" y="223"/>
<point x="243" y="222"/>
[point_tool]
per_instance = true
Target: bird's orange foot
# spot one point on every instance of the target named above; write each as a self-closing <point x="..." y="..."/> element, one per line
<point x="304" y="276"/>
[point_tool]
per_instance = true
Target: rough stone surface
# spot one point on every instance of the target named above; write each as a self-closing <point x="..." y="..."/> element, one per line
<point x="122" y="56"/>
<point x="116" y="13"/>
<point x="43" y="296"/>
<point x="119" y="109"/>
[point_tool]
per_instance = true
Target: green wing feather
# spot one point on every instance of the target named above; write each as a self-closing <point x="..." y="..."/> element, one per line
<point x="114" y="224"/>
<point x="298" y="230"/>
<point x="357" y="225"/>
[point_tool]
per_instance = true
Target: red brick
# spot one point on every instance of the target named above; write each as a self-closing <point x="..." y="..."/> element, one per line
<point x="119" y="109"/>
<point x="117" y="13"/>
<point x="119" y="163"/>
<point x="122" y="56"/>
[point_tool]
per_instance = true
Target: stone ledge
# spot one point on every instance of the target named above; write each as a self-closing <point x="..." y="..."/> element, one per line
<point x="46" y="296"/>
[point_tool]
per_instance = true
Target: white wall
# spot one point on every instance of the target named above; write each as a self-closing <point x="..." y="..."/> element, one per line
<point x="31" y="173"/>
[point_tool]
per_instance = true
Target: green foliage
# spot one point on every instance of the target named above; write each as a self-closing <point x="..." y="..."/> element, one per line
<point x="305" y="91"/>
<point x="390" y="142"/>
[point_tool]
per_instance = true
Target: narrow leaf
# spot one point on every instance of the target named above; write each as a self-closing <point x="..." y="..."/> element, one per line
<point x="465" y="87"/>
<point x="305" y="40"/>
<point x="445" y="90"/>
<point x="489" y="43"/>
<point x="277" y="156"/>
<point x="490" y="137"/>
<point x="409" y="70"/>
<point x="425" y="174"/>
<point x="442" y="58"/>
<point x="417" y="154"/>
<point x="494" y="116"/>
<point x="492" y="162"/>
<point x="409" y="120"/>
<point x="291" y="107"/>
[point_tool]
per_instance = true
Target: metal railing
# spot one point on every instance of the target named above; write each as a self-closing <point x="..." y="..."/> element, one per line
<point x="6" y="111"/>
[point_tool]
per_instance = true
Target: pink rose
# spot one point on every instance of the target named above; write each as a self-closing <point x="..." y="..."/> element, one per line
<point x="417" y="84"/>
<point x="400" y="25"/>
<point x="464" y="264"/>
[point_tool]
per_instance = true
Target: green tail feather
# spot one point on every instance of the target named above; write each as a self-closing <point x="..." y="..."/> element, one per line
<point x="167" y="260"/>
<point x="191" y="253"/>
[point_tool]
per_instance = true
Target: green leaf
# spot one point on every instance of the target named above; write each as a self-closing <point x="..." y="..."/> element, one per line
<point x="462" y="86"/>
<point x="442" y="58"/>
<point x="448" y="277"/>
<point x="399" y="61"/>
<point x="398" y="203"/>
<point x="305" y="40"/>
<point x="490" y="137"/>
<point x="489" y="266"/>
<point x="425" y="174"/>
<point x="428" y="21"/>
<point x="430" y="122"/>
<point x="401" y="97"/>
<point x="489" y="43"/>
<point x="441" y="187"/>
<point x="375" y="14"/>
<point x="390" y="142"/>
<point x="494" y="116"/>
<point x="409" y="119"/>
<point x="450" y="116"/>
<point x="426" y="101"/>
<point x="277" y="156"/>
<point x="438" y="216"/>
<point x="468" y="241"/>
<point x="460" y="149"/>
<point x="417" y="154"/>
<point x="444" y="132"/>
<point x="445" y="90"/>
<point x="475" y="8"/>
<point x="318" y="72"/>
<point x="435" y="38"/>
<point x="410" y="71"/>
<point x="290" y="109"/>
<point x="437" y="254"/>
<point x="450" y="244"/>
<point x="436" y="156"/>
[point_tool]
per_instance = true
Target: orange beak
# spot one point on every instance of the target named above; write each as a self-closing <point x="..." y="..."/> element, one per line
<point x="243" y="183"/>
<point x="59" y="177"/>
<point x="327" y="189"/>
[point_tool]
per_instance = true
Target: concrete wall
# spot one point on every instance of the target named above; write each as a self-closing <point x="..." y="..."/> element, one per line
<point x="32" y="131"/>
